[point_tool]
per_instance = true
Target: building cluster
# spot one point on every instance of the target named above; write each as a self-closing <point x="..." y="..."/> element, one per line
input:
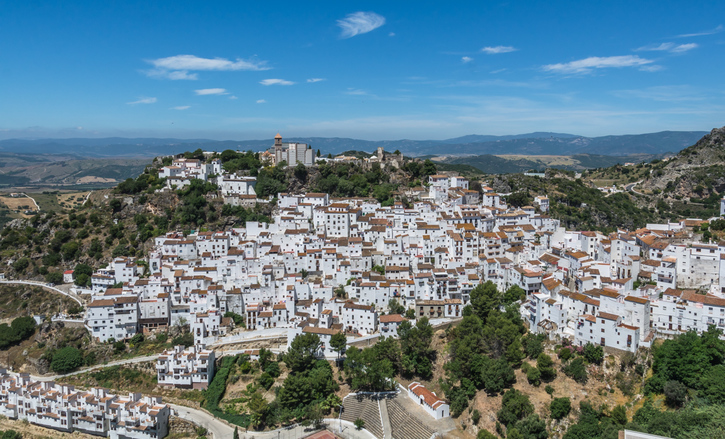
<point x="95" y="411"/>
<point x="328" y="265"/>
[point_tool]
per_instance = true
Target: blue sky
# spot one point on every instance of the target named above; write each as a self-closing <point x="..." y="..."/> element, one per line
<point x="370" y="70"/>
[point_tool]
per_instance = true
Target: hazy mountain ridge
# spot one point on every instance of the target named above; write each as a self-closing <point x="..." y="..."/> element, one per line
<point x="528" y="144"/>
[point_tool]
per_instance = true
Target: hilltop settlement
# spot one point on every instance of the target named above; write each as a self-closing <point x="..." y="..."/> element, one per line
<point x="327" y="265"/>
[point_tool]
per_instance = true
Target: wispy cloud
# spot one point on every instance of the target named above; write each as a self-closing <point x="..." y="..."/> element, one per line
<point x="356" y="92"/>
<point x="178" y="67"/>
<point x="664" y="93"/>
<point x="181" y="107"/>
<point x="668" y="47"/>
<point x="466" y="59"/>
<point x="275" y="82"/>
<point x="587" y="65"/>
<point x="717" y="30"/>
<point x="359" y="23"/>
<point x="233" y="98"/>
<point x="498" y="49"/>
<point x="211" y="91"/>
<point x="316" y="79"/>
<point x="143" y="101"/>
<point x="261" y="101"/>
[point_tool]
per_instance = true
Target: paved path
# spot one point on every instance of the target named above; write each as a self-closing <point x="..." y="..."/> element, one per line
<point x="96" y="367"/>
<point x="259" y="334"/>
<point x="44" y="285"/>
<point x="387" y="430"/>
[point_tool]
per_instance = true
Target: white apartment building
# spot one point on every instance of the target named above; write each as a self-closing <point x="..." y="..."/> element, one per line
<point x="190" y="368"/>
<point x="96" y="412"/>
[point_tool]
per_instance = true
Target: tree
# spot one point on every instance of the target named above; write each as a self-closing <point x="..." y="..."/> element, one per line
<point x="301" y="171"/>
<point x="593" y="353"/>
<point x="533" y="375"/>
<point x="544" y="363"/>
<point x="66" y="360"/>
<point x="513" y="294"/>
<point x="675" y="393"/>
<point x="395" y="307"/>
<point x="560" y="407"/>
<point x="21" y="264"/>
<point x="303" y="351"/>
<point x="514" y="407"/>
<point x="619" y="415"/>
<point x="429" y="168"/>
<point x="417" y="354"/>
<point x="54" y="277"/>
<point x="484" y="298"/>
<point x="258" y="408"/>
<point x="359" y="424"/>
<point x="338" y="343"/>
<point x="485" y="434"/>
<point x="23" y="327"/>
<point x="533" y="344"/>
<point x="577" y="370"/>
<point x="236" y="433"/>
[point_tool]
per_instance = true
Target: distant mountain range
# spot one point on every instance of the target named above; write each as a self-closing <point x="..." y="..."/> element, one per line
<point x="539" y="143"/>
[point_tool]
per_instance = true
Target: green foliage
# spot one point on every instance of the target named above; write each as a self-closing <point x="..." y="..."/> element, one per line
<point x="66" y="359"/>
<point x="577" y="370"/>
<point x="545" y="364"/>
<point x="484" y="298"/>
<point x="359" y="423"/>
<point x="186" y="339"/>
<point x="513" y="294"/>
<point x="21" y="264"/>
<point x="533" y="375"/>
<point x="417" y="354"/>
<point x="20" y="329"/>
<point x="533" y="344"/>
<point x="54" y="277"/>
<point x="236" y="318"/>
<point x="691" y="422"/>
<point x="550" y="390"/>
<point x="485" y="434"/>
<point x="675" y="393"/>
<point x="303" y="388"/>
<point x="233" y="161"/>
<point x="373" y="369"/>
<point x="475" y="416"/>
<point x="560" y="407"/>
<point x="302" y="353"/>
<point x="338" y="342"/>
<point x="214" y="393"/>
<point x="593" y="353"/>
<point x="395" y="307"/>
<point x="688" y="359"/>
<point x="514" y="407"/>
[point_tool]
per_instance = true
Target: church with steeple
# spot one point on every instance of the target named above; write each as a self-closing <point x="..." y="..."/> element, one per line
<point x="291" y="152"/>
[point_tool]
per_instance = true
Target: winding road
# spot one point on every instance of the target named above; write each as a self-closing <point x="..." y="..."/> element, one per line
<point x="46" y="286"/>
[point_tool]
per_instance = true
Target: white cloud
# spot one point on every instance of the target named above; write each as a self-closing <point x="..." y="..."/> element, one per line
<point x="211" y="91"/>
<point x="178" y="67"/>
<point x="275" y="82"/>
<point x="717" y="30"/>
<point x="498" y="49"/>
<point x="391" y="34"/>
<point x="181" y="107"/>
<point x="360" y="23"/>
<point x="261" y="101"/>
<point x="651" y="68"/>
<point x="191" y="62"/>
<point x="356" y="92"/>
<point x="316" y="79"/>
<point x="586" y="65"/>
<point x="669" y="47"/>
<point x="466" y="59"/>
<point x="233" y="98"/>
<point x="143" y="101"/>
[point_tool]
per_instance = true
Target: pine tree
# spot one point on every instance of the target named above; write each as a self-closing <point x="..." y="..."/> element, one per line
<point x="236" y="433"/>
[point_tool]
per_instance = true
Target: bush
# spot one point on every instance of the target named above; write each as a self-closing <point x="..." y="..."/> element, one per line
<point x="19" y="329"/>
<point x="475" y="416"/>
<point x="593" y="353"/>
<point x="675" y="393"/>
<point x="577" y="370"/>
<point x="544" y="363"/>
<point x="534" y="376"/>
<point x="54" y="277"/>
<point x="66" y="360"/>
<point x="514" y="407"/>
<point x="550" y="390"/>
<point x="560" y="407"/>
<point x="564" y="354"/>
<point x="359" y="424"/>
